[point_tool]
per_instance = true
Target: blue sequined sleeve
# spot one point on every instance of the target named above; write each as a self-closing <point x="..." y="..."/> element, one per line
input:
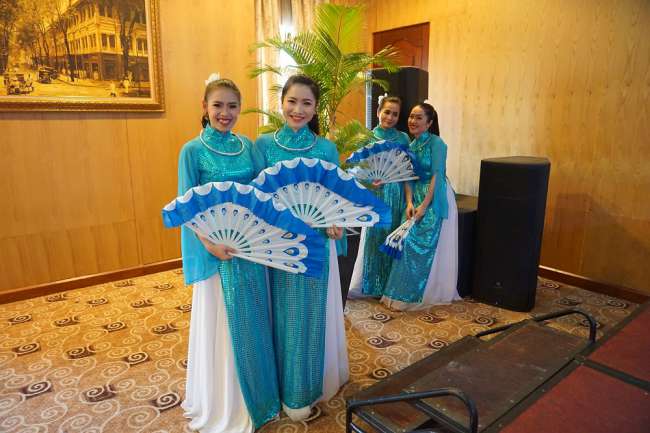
<point x="439" y="168"/>
<point x="257" y="156"/>
<point x="403" y="138"/>
<point x="259" y="151"/>
<point x="332" y="153"/>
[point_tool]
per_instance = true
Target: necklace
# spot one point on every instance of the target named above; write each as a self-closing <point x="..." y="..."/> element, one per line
<point x="290" y="149"/>
<point x="417" y="146"/>
<point x="393" y="135"/>
<point x="220" y="152"/>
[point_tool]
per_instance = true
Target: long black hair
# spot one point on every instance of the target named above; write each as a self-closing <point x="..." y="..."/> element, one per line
<point x="214" y="85"/>
<point x="432" y="115"/>
<point x="313" y="86"/>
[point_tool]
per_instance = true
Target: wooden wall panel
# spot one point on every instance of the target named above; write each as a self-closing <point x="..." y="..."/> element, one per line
<point x="85" y="190"/>
<point x="564" y="79"/>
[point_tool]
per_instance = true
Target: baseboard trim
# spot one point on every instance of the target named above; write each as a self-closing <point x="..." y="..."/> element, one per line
<point x="631" y="295"/>
<point x="87" y="280"/>
<point x="22" y="293"/>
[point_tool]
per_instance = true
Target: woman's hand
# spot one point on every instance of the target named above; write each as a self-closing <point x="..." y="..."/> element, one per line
<point x="220" y="251"/>
<point x="334" y="232"/>
<point x="419" y="212"/>
<point x="410" y="211"/>
<point x="376" y="184"/>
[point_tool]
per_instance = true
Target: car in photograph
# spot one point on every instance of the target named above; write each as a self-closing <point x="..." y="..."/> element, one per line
<point x="46" y="74"/>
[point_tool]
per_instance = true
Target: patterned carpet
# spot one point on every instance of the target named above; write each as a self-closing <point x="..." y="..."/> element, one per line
<point x="112" y="357"/>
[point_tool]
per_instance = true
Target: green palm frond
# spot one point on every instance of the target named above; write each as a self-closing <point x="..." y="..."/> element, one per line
<point x="381" y="83"/>
<point x="351" y="136"/>
<point x="274" y="119"/>
<point x="342" y="24"/>
<point x="385" y="57"/>
<point x="276" y="91"/>
<point x="262" y="69"/>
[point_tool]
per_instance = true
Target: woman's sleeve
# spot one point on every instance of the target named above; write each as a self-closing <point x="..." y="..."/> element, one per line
<point x="187" y="173"/>
<point x="257" y="155"/>
<point x="439" y="168"/>
<point x="404" y="139"/>
<point x="331" y="154"/>
<point x="197" y="262"/>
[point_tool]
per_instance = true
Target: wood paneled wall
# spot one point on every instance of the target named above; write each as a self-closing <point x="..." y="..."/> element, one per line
<point x="565" y="79"/>
<point x="83" y="192"/>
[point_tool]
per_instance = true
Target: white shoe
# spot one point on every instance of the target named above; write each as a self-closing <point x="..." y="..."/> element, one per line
<point x="297" y="414"/>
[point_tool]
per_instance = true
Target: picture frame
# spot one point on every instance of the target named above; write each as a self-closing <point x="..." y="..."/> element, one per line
<point x="71" y="56"/>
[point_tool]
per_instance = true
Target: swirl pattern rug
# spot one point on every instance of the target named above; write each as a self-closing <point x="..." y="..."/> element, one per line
<point x="113" y="357"/>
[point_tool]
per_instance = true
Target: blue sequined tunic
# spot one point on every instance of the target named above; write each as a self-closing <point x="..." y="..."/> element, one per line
<point x="408" y="276"/>
<point x="244" y="283"/>
<point x="377" y="265"/>
<point x="299" y="302"/>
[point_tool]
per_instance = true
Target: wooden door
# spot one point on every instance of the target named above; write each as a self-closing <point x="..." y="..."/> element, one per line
<point x="411" y="41"/>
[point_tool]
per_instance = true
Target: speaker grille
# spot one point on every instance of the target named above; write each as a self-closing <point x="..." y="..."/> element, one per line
<point x="511" y="207"/>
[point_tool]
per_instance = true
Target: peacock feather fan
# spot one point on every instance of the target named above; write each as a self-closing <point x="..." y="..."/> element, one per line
<point x="394" y="243"/>
<point x="322" y="195"/>
<point x="250" y="221"/>
<point x="383" y="161"/>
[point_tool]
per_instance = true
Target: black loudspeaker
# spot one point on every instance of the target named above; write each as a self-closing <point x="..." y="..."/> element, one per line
<point x="511" y="208"/>
<point x="409" y="83"/>
<point x="467" y="210"/>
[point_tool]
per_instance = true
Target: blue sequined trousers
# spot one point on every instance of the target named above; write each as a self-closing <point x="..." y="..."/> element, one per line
<point x="244" y="283"/>
<point x="377" y="265"/>
<point x="408" y="276"/>
<point x="299" y="302"/>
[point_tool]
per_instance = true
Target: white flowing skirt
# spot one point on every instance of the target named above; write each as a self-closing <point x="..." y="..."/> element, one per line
<point x="443" y="275"/>
<point x="335" y="361"/>
<point x="336" y="369"/>
<point x="356" y="281"/>
<point x="213" y="399"/>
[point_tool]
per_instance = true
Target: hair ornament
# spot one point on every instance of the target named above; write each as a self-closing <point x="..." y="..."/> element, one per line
<point x="213" y="77"/>
<point x="380" y="97"/>
<point x="426" y="101"/>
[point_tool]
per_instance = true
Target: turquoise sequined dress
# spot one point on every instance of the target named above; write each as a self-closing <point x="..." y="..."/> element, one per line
<point x="377" y="265"/>
<point x="299" y="302"/>
<point x="408" y="276"/>
<point x="245" y="293"/>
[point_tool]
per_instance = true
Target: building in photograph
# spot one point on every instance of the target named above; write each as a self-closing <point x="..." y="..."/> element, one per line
<point x="96" y="33"/>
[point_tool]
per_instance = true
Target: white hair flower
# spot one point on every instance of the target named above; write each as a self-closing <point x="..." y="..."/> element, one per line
<point x="213" y="77"/>
<point x="380" y="97"/>
<point x="426" y="101"/>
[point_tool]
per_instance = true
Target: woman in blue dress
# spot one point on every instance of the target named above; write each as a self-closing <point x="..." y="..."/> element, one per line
<point x="427" y="272"/>
<point x="307" y="312"/>
<point x="372" y="267"/>
<point x="231" y="375"/>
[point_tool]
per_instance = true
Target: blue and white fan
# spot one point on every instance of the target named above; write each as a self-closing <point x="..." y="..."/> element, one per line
<point x="250" y="221"/>
<point x="394" y="243"/>
<point x="383" y="161"/>
<point x="322" y="195"/>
